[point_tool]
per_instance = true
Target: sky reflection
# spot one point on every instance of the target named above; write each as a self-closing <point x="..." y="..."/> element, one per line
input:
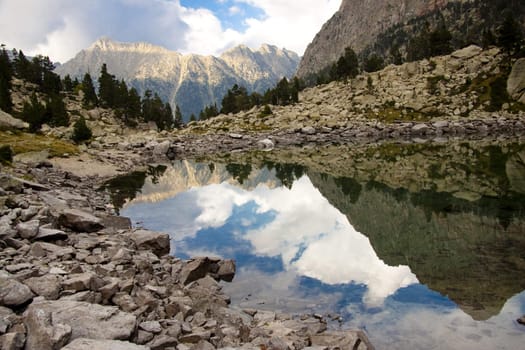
<point x="296" y="252"/>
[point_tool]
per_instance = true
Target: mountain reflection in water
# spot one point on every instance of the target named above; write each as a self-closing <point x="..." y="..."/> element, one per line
<point x="416" y="268"/>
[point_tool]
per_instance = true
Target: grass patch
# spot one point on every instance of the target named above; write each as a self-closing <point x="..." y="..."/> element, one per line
<point x="24" y="142"/>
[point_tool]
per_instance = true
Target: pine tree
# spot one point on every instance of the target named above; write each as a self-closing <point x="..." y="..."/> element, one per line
<point x="81" y="132"/>
<point x="34" y="113"/>
<point x="178" y="122"/>
<point x="90" y="96"/>
<point x="6" y="74"/>
<point x="56" y="113"/>
<point x="510" y="36"/>
<point x="67" y="84"/>
<point x="107" y="87"/>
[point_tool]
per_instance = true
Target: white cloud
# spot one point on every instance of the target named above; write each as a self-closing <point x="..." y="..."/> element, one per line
<point x="61" y="28"/>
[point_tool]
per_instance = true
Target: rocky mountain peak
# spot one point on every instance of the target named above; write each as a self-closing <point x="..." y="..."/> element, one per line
<point x="189" y="81"/>
<point x="107" y="44"/>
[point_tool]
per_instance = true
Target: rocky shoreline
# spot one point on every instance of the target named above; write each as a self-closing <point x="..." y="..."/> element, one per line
<point x="75" y="276"/>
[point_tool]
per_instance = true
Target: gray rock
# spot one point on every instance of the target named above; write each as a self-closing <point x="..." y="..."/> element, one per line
<point x="29" y="229"/>
<point x="343" y="340"/>
<point x="521" y="320"/>
<point x="86" y="320"/>
<point x="195" y="269"/>
<point x="162" y="342"/>
<point x="100" y="344"/>
<point x="467" y="52"/>
<point x="161" y="149"/>
<point x="7" y="317"/>
<point x="441" y="124"/>
<point x="125" y="302"/>
<point x="151" y="326"/>
<point x="50" y="234"/>
<point x="420" y="128"/>
<point x="235" y="136"/>
<point x="266" y="144"/>
<point x="12" y="341"/>
<point x="80" y="221"/>
<point x="226" y="270"/>
<point x="516" y="81"/>
<point x="8" y="122"/>
<point x="80" y="282"/>
<point x="157" y="242"/>
<point x="308" y="130"/>
<point x="42" y="332"/>
<point x="14" y="293"/>
<point x="47" y="286"/>
<point x="203" y="345"/>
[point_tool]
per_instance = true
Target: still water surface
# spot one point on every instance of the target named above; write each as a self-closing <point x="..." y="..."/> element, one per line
<point x="421" y="252"/>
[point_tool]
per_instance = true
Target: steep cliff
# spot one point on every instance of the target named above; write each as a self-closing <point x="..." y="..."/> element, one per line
<point x="356" y="24"/>
<point x="398" y="30"/>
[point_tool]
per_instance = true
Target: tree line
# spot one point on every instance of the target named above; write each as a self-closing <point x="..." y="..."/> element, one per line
<point x="50" y="109"/>
<point x="238" y="99"/>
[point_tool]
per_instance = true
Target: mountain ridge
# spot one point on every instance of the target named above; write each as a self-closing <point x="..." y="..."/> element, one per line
<point x="188" y="80"/>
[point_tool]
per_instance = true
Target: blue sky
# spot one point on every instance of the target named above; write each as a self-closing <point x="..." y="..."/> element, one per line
<point x="61" y="28"/>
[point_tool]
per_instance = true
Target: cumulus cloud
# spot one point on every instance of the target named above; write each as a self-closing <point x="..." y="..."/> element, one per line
<point x="61" y="28"/>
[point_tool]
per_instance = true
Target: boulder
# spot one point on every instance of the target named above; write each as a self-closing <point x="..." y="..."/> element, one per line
<point x="98" y="344"/>
<point x="14" y="293"/>
<point x="28" y="230"/>
<point x="195" y="269"/>
<point x="516" y="81"/>
<point x="226" y="270"/>
<point x="160" y="149"/>
<point x="265" y="144"/>
<point x="467" y="52"/>
<point x="8" y="122"/>
<point x="342" y="340"/>
<point x="308" y="130"/>
<point x="82" y="281"/>
<point x="50" y="234"/>
<point x="80" y="221"/>
<point x="85" y="320"/>
<point x="521" y="320"/>
<point x="47" y="286"/>
<point x="12" y="341"/>
<point x="157" y="242"/>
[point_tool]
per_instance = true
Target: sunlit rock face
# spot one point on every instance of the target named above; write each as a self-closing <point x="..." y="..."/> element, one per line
<point x="189" y="81"/>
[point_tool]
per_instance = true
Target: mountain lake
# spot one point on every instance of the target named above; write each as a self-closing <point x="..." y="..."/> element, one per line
<point x="420" y="245"/>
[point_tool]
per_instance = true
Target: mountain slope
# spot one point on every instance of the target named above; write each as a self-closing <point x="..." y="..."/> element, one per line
<point x="190" y="81"/>
<point x="393" y="29"/>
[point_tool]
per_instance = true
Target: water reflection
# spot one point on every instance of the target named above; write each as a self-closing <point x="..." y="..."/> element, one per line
<point x="306" y="241"/>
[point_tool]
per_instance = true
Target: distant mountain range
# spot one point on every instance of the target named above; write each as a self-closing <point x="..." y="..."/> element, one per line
<point x="189" y="81"/>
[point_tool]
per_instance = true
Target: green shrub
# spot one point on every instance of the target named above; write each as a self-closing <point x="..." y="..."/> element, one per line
<point x="81" y="131"/>
<point x="6" y="155"/>
<point x="266" y="111"/>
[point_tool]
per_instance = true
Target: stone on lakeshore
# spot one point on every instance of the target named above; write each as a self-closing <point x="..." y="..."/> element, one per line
<point x="12" y="341"/>
<point x="85" y="320"/>
<point x="265" y="144"/>
<point x="157" y="242"/>
<point x="235" y="136"/>
<point x="14" y="293"/>
<point x="80" y="221"/>
<point x="521" y="320"/>
<point x="343" y="340"/>
<point x="47" y="286"/>
<point x="151" y="326"/>
<point x="116" y="222"/>
<point x="308" y="130"/>
<point x="160" y="149"/>
<point x="420" y="128"/>
<point x="226" y="270"/>
<point x="28" y="230"/>
<point x="80" y="282"/>
<point x="195" y="269"/>
<point x="124" y="301"/>
<point x="162" y="342"/>
<point x="101" y="344"/>
<point x="7" y="317"/>
<point x="50" y="234"/>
